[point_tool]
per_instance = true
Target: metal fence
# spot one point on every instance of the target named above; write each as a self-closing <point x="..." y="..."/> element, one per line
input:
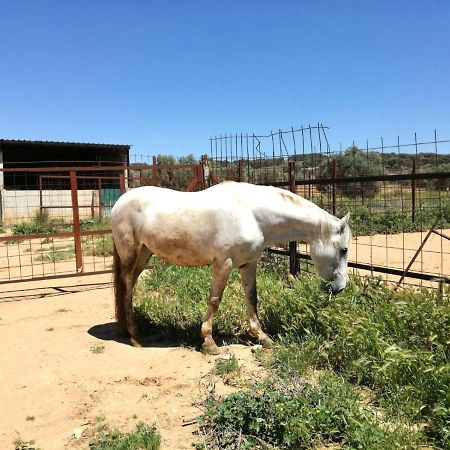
<point x="54" y="221"/>
<point x="398" y="195"/>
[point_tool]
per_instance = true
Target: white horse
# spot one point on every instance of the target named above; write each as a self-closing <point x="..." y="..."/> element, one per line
<point x="226" y="226"/>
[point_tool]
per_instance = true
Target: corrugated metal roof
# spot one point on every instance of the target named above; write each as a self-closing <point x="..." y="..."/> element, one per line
<point x="63" y="144"/>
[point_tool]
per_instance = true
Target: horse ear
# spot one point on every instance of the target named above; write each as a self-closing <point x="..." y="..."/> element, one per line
<point x="343" y="222"/>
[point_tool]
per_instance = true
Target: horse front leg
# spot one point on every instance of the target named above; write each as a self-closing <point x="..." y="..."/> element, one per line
<point x="248" y="277"/>
<point x="220" y="277"/>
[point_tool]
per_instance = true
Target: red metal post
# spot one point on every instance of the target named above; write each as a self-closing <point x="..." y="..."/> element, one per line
<point x="154" y="172"/>
<point x="294" y="265"/>
<point x="333" y="186"/>
<point x="413" y="191"/>
<point x="41" y="215"/>
<point x="122" y="183"/>
<point x="100" y="200"/>
<point x="204" y="171"/>
<point x="76" y="222"/>
<point x="240" y="171"/>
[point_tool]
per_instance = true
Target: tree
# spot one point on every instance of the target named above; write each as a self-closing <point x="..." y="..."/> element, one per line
<point x="354" y="163"/>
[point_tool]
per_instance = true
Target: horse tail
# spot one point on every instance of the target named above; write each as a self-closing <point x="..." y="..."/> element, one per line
<point x="119" y="290"/>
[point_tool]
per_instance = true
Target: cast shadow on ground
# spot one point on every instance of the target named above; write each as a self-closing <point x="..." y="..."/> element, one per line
<point x="160" y="337"/>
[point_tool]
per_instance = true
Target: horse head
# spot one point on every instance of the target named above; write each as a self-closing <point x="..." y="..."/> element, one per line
<point x="329" y="252"/>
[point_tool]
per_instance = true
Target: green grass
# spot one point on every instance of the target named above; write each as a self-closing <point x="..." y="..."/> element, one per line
<point x="226" y="366"/>
<point x="98" y="245"/>
<point x="97" y="349"/>
<point x="56" y="254"/>
<point x="286" y="413"/>
<point x="143" y="437"/>
<point x="20" y="444"/>
<point x="173" y="299"/>
<point x="92" y="246"/>
<point x="46" y="224"/>
<point x="395" y="344"/>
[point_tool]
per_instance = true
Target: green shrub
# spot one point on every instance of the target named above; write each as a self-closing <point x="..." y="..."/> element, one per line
<point x="288" y="414"/>
<point x="32" y="227"/>
<point x="143" y="437"/>
<point x="226" y="366"/>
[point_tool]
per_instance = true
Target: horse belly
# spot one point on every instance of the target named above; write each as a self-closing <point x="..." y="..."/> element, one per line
<point x="171" y="253"/>
<point x="181" y="250"/>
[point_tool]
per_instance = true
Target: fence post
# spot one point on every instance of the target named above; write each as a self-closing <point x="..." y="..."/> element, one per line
<point x="154" y="172"/>
<point x="333" y="187"/>
<point x="293" y="258"/>
<point x="413" y="191"/>
<point x="41" y="202"/>
<point x="76" y="221"/>
<point x="240" y="177"/>
<point x="204" y="171"/>
<point x="122" y="183"/>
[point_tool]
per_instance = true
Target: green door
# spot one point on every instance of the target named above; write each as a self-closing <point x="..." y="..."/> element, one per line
<point x="109" y="197"/>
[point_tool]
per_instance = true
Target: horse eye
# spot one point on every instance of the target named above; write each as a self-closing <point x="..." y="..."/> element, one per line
<point x="344" y="251"/>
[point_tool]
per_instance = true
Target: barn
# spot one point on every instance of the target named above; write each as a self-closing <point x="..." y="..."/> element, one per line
<point x="31" y="182"/>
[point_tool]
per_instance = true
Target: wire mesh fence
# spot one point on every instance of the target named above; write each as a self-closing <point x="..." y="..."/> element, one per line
<point x="54" y="221"/>
<point x="398" y="195"/>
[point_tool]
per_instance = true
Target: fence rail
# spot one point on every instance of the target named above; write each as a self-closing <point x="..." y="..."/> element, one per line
<point x="55" y="219"/>
<point x="399" y="201"/>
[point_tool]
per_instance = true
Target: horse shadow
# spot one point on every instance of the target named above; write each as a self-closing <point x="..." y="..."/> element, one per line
<point x="165" y="337"/>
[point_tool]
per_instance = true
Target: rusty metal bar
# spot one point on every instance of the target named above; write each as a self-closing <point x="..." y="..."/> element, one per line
<point x="122" y="183"/>
<point x="417" y="252"/>
<point x="65" y="206"/>
<point x="372" y="268"/>
<point x="97" y="168"/>
<point x="333" y="186"/>
<point x="41" y="217"/>
<point x="293" y="259"/>
<point x="240" y="171"/>
<point x="55" y="277"/>
<point x="66" y="234"/>
<point x="76" y="222"/>
<point x="399" y="177"/>
<point x="80" y="177"/>
<point x="441" y="234"/>
<point x="100" y="199"/>
<point x="154" y="172"/>
<point x="413" y="191"/>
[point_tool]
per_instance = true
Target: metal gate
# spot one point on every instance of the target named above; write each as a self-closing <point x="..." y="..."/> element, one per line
<point x="55" y="221"/>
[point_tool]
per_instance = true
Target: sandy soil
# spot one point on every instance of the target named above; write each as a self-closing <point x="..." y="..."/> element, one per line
<point x="63" y="366"/>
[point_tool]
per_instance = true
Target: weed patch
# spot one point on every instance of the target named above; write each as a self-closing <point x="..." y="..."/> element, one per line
<point x="226" y="366"/>
<point x="282" y="414"/>
<point x="20" y="444"/>
<point x="396" y="344"/>
<point x="143" y="437"/>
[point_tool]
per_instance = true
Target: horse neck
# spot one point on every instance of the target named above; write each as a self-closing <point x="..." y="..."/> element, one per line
<point x="287" y="220"/>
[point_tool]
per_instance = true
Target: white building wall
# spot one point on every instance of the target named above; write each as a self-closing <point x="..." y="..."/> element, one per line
<point x="25" y="205"/>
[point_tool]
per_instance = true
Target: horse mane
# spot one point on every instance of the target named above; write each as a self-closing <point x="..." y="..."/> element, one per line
<point x="326" y="220"/>
<point x="325" y="225"/>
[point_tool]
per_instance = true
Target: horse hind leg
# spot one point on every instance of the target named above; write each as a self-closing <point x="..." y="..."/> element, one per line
<point x="248" y="277"/>
<point x="141" y="262"/>
<point x="127" y="272"/>
<point x="139" y="265"/>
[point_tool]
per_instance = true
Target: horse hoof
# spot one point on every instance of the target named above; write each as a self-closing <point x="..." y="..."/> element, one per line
<point x="267" y="342"/>
<point x="135" y="343"/>
<point x="211" y="349"/>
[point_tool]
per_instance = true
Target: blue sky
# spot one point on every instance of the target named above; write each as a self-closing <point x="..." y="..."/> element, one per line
<point x="164" y="76"/>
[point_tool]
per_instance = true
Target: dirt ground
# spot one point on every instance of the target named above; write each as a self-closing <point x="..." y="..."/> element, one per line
<point x="63" y="365"/>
